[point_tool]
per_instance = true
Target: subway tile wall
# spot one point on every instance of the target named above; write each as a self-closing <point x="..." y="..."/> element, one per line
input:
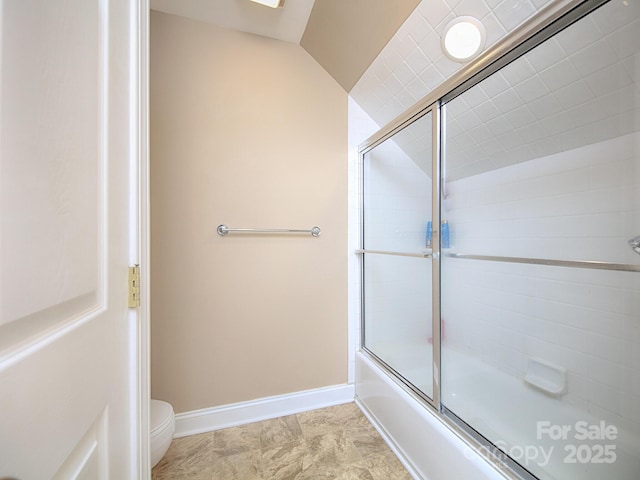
<point x="413" y="63"/>
<point x="583" y="204"/>
<point x="572" y="90"/>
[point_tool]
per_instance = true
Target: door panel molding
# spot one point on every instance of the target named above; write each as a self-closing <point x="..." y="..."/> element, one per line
<point x="90" y="458"/>
<point x="60" y="180"/>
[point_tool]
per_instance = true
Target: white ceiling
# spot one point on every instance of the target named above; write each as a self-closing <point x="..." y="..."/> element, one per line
<point x="287" y="23"/>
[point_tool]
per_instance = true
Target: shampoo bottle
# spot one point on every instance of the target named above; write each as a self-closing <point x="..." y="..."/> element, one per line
<point x="444" y="235"/>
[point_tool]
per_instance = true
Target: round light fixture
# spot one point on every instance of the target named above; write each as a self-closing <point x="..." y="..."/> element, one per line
<point x="463" y="39"/>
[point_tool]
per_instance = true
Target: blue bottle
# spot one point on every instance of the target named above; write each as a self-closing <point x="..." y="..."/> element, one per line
<point x="444" y="235"/>
<point x="429" y="234"/>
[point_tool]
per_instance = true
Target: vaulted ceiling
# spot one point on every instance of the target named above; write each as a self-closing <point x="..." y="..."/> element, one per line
<point x="344" y="36"/>
<point x="575" y="89"/>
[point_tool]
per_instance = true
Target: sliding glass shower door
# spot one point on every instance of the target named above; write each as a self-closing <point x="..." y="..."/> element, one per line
<point x="397" y="270"/>
<point x="540" y="288"/>
<point x="501" y="273"/>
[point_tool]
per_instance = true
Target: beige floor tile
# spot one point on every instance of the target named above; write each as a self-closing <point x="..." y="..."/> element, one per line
<point x="286" y="462"/>
<point x="186" y="457"/>
<point x="335" y="443"/>
<point x="333" y="447"/>
<point x="386" y="467"/>
<point x="355" y="472"/>
<point x="240" y="466"/>
<point x="367" y="440"/>
<point x="280" y="431"/>
<point x="317" y="422"/>
<point x="230" y="441"/>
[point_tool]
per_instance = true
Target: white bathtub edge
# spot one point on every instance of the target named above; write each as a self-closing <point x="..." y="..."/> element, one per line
<point x="388" y="440"/>
<point x="429" y="449"/>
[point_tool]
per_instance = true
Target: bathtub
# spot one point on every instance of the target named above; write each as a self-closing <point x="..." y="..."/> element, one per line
<point x="433" y="450"/>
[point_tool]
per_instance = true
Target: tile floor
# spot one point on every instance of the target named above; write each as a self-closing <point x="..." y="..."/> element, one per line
<point x="330" y="443"/>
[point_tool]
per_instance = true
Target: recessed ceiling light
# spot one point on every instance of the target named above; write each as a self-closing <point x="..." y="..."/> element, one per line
<point x="270" y="3"/>
<point x="463" y="38"/>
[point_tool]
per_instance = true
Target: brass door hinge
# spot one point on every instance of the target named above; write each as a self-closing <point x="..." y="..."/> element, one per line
<point x="134" y="286"/>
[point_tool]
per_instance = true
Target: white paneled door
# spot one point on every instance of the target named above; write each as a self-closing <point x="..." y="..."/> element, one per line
<point x="72" y="368"/>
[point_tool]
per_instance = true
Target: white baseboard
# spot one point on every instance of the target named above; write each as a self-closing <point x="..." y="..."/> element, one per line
<point x="216" y="418"/>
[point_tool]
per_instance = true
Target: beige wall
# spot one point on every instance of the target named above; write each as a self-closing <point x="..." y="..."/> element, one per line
<point x="250" y="132"/>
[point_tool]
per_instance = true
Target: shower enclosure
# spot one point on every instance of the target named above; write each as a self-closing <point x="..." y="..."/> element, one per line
<point x="500" y="251"/>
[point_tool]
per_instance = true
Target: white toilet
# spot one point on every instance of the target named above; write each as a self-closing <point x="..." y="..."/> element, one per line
<point x="162" y="422"/>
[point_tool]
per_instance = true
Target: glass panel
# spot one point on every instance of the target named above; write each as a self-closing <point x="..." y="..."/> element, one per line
<point x="543" y="162"/>
<point x="397" y="190"/>
<point x="397" y="289"/>
<point x="398" y="316"/>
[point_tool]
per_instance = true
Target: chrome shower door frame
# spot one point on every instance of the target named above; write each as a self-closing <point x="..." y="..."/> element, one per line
<point x="551" y="20"/>
<point x="434" y="109"/>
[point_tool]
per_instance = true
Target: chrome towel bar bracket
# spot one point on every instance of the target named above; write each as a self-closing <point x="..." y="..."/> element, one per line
<point x="224" y="230"/>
